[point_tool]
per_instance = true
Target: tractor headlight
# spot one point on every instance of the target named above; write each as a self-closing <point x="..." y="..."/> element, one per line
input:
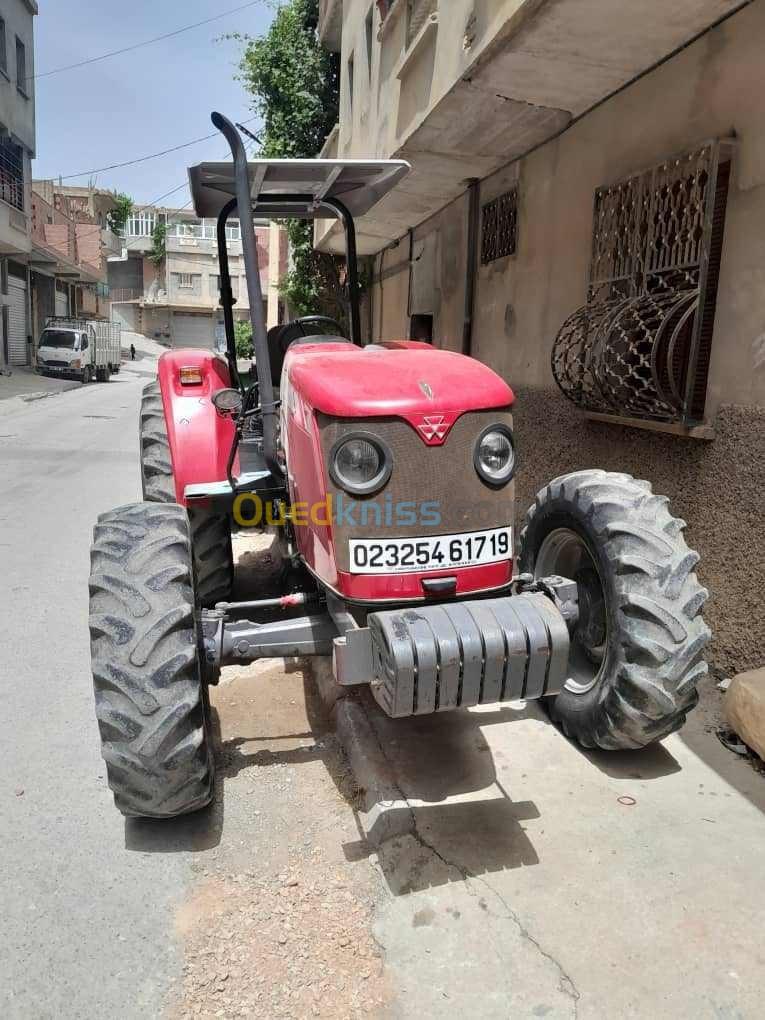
<point x="360" y="464"/>
<point x="495" y="455"/>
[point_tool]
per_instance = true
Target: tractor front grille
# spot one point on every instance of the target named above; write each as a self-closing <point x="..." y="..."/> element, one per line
<point x="444" y="475"/>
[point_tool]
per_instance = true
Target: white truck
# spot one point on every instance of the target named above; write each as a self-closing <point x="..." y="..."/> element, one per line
<point x="82" y="348"/>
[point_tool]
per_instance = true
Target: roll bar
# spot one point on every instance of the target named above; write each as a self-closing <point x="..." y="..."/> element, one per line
<point x="247" y="206"/>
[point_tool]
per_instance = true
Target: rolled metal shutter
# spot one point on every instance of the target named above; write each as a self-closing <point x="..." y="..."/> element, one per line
<point x="62" y="304"/>
<point x="194" y="331"/>
<point x="17" y="321"/>
<point x="126" y="316"/>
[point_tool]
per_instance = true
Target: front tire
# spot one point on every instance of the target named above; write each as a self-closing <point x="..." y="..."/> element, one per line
<point x="150" y="701"/>
<point x="637" y="650"/>
<point x="210" y="532"/>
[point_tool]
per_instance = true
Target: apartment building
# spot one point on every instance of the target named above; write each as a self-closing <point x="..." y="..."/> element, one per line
<point x="584" y="214"/>
<point x="176" y="298"/>
<point x="71" y="242"/>
<point x="17" y="149"/>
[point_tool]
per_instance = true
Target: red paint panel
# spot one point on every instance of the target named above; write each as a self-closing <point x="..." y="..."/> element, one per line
<point x="404" y="378"/>
<point x="305" y="479"/>
<point x="200" y="440"/>
<point x="374" y="587"/>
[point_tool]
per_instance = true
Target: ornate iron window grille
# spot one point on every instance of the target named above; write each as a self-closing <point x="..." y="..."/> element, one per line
<point x="641" y="345"/>
<point x="499" y="231"/>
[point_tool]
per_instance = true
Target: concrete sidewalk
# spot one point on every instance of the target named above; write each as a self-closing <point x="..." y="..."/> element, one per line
<point x="26" y="383"/>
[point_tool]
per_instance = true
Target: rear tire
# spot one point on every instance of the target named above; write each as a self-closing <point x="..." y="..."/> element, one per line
<point x="640" y="622"/>
<point x="150" y="700"/>
<point x="210" y="532"/>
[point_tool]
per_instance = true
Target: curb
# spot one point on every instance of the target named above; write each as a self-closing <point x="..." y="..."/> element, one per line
<point x="386" y="813"/>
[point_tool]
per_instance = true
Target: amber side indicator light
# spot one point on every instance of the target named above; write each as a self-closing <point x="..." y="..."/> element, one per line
<point x="191" y="376"/>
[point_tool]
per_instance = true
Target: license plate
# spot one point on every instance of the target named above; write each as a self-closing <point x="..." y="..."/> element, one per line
<point x="437" y="552"/>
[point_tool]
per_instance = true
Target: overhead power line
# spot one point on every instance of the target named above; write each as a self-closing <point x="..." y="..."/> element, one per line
<point x="146" y="42"/>
<point x="143" y="159"/>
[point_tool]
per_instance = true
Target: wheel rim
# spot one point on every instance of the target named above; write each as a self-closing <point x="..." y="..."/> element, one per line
<point x="564" y="552"/>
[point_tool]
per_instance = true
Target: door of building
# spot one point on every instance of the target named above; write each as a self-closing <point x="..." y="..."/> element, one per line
<point x="17" y="321"/>
<point x="193" y="331"/>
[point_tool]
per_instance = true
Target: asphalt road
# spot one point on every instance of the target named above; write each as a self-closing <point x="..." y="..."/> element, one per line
<point x="506" y="873"/>
<point x="85" y="921"/>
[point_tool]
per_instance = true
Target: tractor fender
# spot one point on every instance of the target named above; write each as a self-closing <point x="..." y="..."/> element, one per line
<point x="200" y="440"/>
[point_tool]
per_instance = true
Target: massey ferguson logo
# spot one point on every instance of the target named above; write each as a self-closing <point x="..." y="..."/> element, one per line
<point x="434" y="429"/>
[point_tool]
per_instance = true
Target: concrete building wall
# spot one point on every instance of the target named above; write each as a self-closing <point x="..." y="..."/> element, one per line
<point x="17" y="100"/>
<point x="714" y="88"/>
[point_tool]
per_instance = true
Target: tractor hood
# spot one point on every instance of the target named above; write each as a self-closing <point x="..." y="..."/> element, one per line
<point x="402" y="378"/>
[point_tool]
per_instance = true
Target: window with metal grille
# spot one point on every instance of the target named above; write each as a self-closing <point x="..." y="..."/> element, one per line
<point x="3" y="49"/>
<point x="417" y="13"/>
<point x="499" y="231"/>
<point x="185" y="280"/>
<point x="11" y="173"/>
<point x="21" y="67"/>
<point x="641" y="346"/>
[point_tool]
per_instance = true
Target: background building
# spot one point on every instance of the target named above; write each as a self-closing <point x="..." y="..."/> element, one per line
<point x="584" y="215"/>
<point x="71" y="241"/>
<point x="176" y="300"/>
<point x="17" y="149"/>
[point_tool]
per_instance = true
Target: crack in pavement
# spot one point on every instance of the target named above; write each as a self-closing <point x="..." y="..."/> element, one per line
<point x="566" y="984"/>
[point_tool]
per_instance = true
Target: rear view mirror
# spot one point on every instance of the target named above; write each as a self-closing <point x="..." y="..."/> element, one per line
<point x="228" y="403"/>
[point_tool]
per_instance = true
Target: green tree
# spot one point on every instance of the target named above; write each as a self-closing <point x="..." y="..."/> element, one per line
<point x="295" y="87"/>
<point x="243" y="338"/>
<point x="118" y="217"/>
<point x="158" y="243"/>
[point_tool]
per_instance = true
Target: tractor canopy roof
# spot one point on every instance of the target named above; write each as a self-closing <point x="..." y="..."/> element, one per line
<point x="296" y="187"/>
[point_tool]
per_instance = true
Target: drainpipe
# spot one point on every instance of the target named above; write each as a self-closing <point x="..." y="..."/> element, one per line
<point x="474" y="213"/>
<point x="411" y="273"/>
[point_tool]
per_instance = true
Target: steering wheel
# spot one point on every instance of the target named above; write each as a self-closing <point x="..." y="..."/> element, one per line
<point x="318" y="320"/>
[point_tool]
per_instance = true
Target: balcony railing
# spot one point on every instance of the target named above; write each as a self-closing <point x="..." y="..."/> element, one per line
<point x="119" y="294"/>
<point x="11" y="174"/>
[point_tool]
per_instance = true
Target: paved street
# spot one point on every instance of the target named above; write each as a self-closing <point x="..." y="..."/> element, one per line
<point x="526" y="879"/>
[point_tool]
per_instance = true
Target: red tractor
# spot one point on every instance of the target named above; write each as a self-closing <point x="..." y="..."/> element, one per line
<point x="386" y="470"/>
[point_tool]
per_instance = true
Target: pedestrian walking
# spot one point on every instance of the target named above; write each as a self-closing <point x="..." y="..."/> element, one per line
<point x="132" y="352"/>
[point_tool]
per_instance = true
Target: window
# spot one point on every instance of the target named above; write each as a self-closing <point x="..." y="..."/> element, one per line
<point x="214" y="286"/>
<point x="641" y="346"/>
<point x="11" y="173"/>
<point x="499" y="231"/>
<point x="187" y="228"/>
<point x="421" y="328"/>
<point x="185" y="280"/>
<point x="3" y="49"/>
<point x="21" y="67"/>
<point x="141" y="224"/>
<point x="368" y="31"/>
<point x="233" y="231"/>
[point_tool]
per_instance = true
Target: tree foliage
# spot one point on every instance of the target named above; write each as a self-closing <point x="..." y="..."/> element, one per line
<point x="295" y="85"/>
<point x="158" y="243"/>
<point x="118" y="217"/>
<point x="243" y="338"/>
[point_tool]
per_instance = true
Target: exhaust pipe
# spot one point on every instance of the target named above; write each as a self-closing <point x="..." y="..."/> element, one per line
<point x="250" y="253"/>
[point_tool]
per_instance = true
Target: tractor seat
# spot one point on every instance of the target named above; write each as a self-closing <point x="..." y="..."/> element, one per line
<point x="281" y="338"/>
